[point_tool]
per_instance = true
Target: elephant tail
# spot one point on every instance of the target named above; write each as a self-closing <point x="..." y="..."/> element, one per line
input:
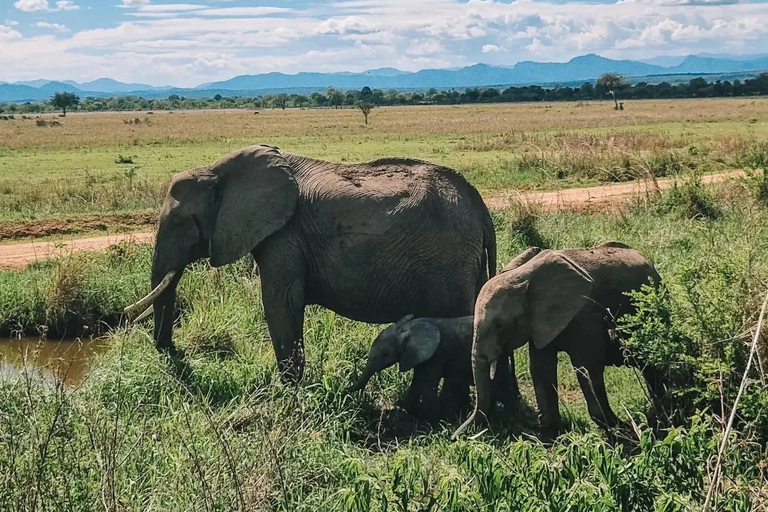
<point x="489" y="242"/>
<point x="481" y="369"/>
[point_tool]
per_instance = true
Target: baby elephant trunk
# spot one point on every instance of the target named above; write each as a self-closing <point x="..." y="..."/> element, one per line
<point x="363" y="380"/>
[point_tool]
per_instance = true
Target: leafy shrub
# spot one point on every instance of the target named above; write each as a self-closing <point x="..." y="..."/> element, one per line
<point x="757" y="183"/>
<point x="755" y="156"/>
<point x="123" y="159"/>
<point x="691" y="200"/>
<point x="521" y="219"/>
<point x="689" y="339"/>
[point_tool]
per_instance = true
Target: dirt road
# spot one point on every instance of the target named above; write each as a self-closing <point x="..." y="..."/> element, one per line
<point x="20" y="255"/>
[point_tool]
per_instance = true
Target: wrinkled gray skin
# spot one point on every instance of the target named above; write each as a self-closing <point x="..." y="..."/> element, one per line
<point x="372" y="242"/>
<point x="559" y="301"/>
<point x="436" y="349"/>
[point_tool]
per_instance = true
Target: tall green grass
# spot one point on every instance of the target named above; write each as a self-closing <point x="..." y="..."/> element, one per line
<point x="227" y="435"/>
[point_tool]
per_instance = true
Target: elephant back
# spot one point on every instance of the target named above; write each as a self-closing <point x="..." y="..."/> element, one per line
<point x="617" y="269"/>
<point x="402" y="182"/>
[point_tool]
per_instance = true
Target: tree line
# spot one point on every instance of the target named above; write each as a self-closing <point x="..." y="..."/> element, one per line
<point x="609" y="86"/>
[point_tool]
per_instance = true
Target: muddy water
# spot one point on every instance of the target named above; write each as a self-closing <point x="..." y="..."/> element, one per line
<point x="68" y="361"/>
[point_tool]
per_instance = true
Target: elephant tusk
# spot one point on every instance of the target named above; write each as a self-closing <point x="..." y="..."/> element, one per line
<point x="493" y="368"/>
<point x="145" y="314"/>
<point x="140" y="307"/>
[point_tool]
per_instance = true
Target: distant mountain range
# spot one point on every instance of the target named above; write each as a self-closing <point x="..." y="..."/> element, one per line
<point x="583" y="68"/>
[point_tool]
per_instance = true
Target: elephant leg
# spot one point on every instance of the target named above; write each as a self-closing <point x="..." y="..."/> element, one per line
<point x="422" y="398"/>
<point x="454" y="396"/>
<point x="505" y="386"/>
<point x="284" y="312"/>
<point x="592" y="384"/>
<point x="283" y="274"/>
<point x="543" y="364"/>
<point x="655" y="383"/>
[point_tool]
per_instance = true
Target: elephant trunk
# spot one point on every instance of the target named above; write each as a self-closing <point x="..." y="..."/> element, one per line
<point x="164" y="302"/>
<point x="362" y="381"/>
<point x="481" y="368"/>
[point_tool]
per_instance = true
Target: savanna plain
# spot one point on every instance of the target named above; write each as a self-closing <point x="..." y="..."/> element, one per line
<point x="136" y="434"/>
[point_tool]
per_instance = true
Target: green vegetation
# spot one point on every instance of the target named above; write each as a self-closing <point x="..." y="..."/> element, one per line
<point x="63" y="101"/>
<point x="99" y="164"/>
<point x="333" y="97"/>
<point x="228" y="436"/>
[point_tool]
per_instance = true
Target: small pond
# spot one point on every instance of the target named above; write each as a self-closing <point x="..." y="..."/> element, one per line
<point x="68" y="361"/>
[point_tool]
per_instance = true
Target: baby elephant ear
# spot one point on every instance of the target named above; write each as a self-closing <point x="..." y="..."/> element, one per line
<point x="558" y="290"/>
<point x="420" y="341"/>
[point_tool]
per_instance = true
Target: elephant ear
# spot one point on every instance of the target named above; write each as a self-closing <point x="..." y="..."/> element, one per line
<point x="558" y="289"/>
<point x="256" y="196"/>
<point x="420" y="341"/>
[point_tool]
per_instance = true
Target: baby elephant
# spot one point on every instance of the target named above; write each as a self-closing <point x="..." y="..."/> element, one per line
<point x="567" y="301"/>
<point x="435" y="348"/>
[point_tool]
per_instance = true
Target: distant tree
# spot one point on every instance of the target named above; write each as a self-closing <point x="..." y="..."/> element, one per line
<point x="366" y="94"/>
<point x="280" y="100"/>
<point x="365" y="107"/>
<point x="318" y="99"/>
<point x="489" y="95"/>
<point x="217" y="97"/>
<point x="174" y="97"/>
<point x="64" y="100"/>
<point x="300" y="100"/>
<point x="471" y="95"/>
<point x="612" y="83"/>
<point x="335" y="96"/>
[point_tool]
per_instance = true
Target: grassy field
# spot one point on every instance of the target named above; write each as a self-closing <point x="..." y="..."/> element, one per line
<point x="101" y="164"/>
<point x="137" y="434"/>
<point x="229" y="436"/>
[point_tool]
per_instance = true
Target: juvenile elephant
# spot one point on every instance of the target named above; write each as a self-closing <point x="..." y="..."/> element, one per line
<point x="567" y="301"/>
<point x="372" y="241"/>
<point x="436" y="349"/>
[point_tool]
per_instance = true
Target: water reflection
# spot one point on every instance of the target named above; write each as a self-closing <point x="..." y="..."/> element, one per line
<point x="67" y="361"/>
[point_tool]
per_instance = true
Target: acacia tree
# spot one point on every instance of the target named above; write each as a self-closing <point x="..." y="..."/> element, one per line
<point x="612" y="83"/>
<point x="365" y="107"/>
<point x="64" y="100"/>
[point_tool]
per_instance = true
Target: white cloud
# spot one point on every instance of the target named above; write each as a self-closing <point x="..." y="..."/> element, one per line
<point x="66" y="5"/>
<point x="58" y="27"/>
<point x="492" y="48"/>
<point x="31" y="5"/>
<point x="42" y="5"/>
<point x="170" y="8"/>
<point x="8" y="34"/>
<point x="421" y="47"/>
<point x="11" y="23"/>
<point x="181" y="43"/>
<point x="244" y="11"/>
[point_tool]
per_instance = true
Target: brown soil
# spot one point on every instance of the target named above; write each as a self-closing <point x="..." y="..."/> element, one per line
<point x="585" y="198"/>
<point x="19" y="255"/>
<point x="49" y="227"/>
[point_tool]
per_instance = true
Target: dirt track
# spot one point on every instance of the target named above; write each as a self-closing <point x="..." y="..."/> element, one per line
<point x="20" y="255"/>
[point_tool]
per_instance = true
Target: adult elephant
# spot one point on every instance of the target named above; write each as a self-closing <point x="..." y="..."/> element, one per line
<point x="372" y="241"/>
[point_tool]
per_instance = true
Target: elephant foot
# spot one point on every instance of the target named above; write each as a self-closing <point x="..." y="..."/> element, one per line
<point x="291" y="370"/>
<point x="511" y="403"/>
<point x="548" y="435"/>
<point x="178" y="361"/>
<point x="291" y="376"/>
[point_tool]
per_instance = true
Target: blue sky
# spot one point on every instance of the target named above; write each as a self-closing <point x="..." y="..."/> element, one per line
<point x="187" y="42"/>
